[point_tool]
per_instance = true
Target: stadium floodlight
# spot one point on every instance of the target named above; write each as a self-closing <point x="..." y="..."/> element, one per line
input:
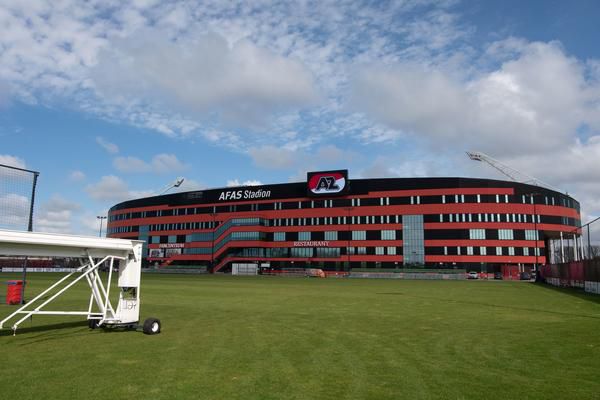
<point x="92" y="253"/>
<point x="175" y="184"/>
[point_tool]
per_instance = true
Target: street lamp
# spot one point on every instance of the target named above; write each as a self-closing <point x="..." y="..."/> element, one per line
<point x="101" y="218"/>
<point x="535" y="219"/>
<point x="212" y="246"/>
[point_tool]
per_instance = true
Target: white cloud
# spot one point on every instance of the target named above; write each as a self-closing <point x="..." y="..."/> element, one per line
<point x="76" y="176"/>
<point x="56" y="215"/>
<point x="236" y="182"/>
<point x="290" y="156"/>
<point x="111" y="148"/>
<point x="113" y="188"/>
<point x="533" y="103"/>
<point x="131" y="165"/>
<point x="12" y="161"/>
<point x="242" y="82"/>
<point x="160" y="164"/>
<point x="15" y="211"/>
<point x="271" y="157"/>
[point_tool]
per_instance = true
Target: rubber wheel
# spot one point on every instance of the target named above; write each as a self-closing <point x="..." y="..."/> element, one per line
<point x="151" y="326"/>
<point x="93" y="323"/>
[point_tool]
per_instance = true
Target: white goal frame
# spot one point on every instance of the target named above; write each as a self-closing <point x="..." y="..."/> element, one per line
<point x="92" y="253"/>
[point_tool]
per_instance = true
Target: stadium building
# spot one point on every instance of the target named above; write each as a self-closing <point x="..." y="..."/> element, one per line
<point x="333" y="223"/>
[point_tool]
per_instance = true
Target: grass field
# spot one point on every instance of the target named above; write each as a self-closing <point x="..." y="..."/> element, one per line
<point x="283" y="338"/>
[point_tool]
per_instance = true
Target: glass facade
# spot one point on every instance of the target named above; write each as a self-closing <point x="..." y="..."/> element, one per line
<point x="413" y="240"/>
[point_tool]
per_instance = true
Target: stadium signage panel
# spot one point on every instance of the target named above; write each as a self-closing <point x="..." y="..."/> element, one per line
<point x="244" y="194"/>
<point x="327" y="183"/>
<point x="312" y="243"/>
<point x="171" y="245"/>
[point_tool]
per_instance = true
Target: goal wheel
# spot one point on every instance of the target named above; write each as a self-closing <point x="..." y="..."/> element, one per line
<point x="151" y="326"/>
<point x="93" y="323"/>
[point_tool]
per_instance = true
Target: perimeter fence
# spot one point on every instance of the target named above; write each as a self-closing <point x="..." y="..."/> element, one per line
<point x="583" y="274"/>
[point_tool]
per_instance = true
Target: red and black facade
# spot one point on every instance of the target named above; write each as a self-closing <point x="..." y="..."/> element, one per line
<point x="333" y="223"/>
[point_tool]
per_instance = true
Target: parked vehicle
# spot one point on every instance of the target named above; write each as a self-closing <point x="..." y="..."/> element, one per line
<point x="472" y="275"/>
<point x="497" y="275"/>
<point x="525" y="276"/>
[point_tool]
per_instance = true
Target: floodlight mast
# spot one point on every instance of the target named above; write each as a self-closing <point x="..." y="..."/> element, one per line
<point x="175" y="184"/>
<point x="512" y="173"/>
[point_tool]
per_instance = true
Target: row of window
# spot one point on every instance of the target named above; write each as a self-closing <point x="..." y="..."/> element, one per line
<point x="338" y="252"/>
<point x="414" y="235"/>
<point x="354" y="202"/>
<point x="488" y="251"/>
<point x="356" y="220"/>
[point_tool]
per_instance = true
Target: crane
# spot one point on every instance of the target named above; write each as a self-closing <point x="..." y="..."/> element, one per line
<point x="510" y="172"/>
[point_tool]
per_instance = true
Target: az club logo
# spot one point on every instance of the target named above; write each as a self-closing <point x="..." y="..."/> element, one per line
<point x="327" y="183"/>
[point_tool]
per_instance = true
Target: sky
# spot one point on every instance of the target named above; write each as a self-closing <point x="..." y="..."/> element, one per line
<point x="114" y="100"/>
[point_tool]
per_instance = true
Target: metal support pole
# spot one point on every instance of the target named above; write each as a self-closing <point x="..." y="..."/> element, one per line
<point x="29" y="229"/>
<point x="101" y="218"/>
<point x="589" y="243"/>
<point x="536" y="235"/>
<point x="562" y="249"/>
<point x="212" y="246"/>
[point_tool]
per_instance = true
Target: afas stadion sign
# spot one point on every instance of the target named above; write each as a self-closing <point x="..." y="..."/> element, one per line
<point x="327" y="183"/>
<point x="318" y="184"/>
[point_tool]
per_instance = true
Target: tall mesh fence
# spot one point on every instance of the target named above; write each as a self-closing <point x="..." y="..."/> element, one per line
<point x="17" y="197"/>
<point x="581" y="243"/>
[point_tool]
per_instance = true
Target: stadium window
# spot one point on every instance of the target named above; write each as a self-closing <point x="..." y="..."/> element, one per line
<point x="498" y="251"/>
<point x="443" y="199"/>
<point x="511" y="251"/>
<point x="445" y="250"/>
<point x="462" y="198"/>
<point x="303" y="236"/>
<point x="331" y="235"/>
<point x="478" y="234"/>
<point x="497" y="198"/>
<point x="388" y="235"/>
<point x="505" y="234"/>
<point x="506" y="198"/>
<point x="525" y="251"/>
<point x="456" y="198"/>
<point x="379" y="251"/>
<point x="361" y="250"/>
<point x="441" y="217"/>
<point x="482" y="251"/>
<point x="279" y="237"/>
<point x="391" y="251"/>
<point x="479" y="198"/>
<point x="531" y="234"/>
<point x="470" y="250"/>
<point x="458" y="250"/>
<point x="359" y="235"/>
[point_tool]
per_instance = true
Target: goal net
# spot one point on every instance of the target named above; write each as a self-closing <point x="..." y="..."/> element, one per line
<point x="17" y="188"/>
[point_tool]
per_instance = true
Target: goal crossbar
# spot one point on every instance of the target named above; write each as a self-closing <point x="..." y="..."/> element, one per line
<point x="92" y="253"/>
